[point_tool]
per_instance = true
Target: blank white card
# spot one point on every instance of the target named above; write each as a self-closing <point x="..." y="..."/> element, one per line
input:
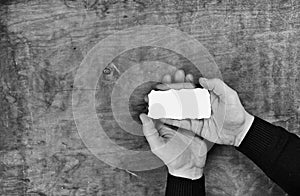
<point x="179" y="104"/>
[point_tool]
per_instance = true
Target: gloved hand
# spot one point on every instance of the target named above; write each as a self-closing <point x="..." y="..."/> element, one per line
<point x="229" y="122"/>
<point x="183" y="152"/>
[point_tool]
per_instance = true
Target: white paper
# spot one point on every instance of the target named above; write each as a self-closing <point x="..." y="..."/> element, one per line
<point x="180" y="104"/>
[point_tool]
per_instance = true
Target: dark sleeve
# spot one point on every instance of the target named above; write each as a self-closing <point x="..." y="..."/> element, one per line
<point x="276" y="152"/>
<point x="177" y="186"/>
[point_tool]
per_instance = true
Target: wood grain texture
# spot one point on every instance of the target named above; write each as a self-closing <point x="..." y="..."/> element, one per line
<point x="42" y="43"/>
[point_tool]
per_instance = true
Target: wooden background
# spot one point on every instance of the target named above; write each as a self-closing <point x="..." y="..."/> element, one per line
<point x="255" y="43"/>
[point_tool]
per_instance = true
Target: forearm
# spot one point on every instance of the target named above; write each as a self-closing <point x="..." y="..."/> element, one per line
<point x="177" y="186"/>
<point x="276" y="152"/>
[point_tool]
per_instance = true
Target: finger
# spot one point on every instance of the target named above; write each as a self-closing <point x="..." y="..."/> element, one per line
<point x="214" y="102"/>
<point x="151" y="134"/>
<point x="185" y="124"/>
<point x="197" y="126"/>
<point x="215" y="85"/>
<point x="189" y="78"/>
<point x="179" y="76"/>
<point x="176" y="86"/>
<point x="186" y="132"/>
<point x="189" y="124"/>
<point x="166" y="132"/>
<point x="213" y="98"/>
<point x="205" y="145"/>
<point x="146" y="99"/>
<point x="166" y="79"/>
<point x="207" y="135"/>
<point x="210" y="130"/>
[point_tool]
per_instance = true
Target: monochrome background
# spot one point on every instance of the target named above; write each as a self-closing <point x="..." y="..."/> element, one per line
<point x="256" y="45"/>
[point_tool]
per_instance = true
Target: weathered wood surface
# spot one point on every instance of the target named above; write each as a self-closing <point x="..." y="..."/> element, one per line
<point x="255" y="43"/>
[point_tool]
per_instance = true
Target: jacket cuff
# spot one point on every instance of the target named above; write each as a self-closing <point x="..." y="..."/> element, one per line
<point x="177" y="186"/>
<point x="259" y="141"/>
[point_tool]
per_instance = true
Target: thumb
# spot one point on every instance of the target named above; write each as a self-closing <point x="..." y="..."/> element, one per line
<point x="150" y="132"/>
<point x="215" y="85"/>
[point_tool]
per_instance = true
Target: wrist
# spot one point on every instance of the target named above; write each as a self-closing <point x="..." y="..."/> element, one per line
<point x="248" y="122"/>
<point x="193" y="173"/>
<point x="177" y="186"/>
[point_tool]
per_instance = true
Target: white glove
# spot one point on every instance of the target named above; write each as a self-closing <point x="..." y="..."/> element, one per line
<point x="229" y="122"/>
<point x="182" y="151"/>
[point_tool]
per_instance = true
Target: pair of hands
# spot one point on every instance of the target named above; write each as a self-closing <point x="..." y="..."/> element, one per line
<point x="183" y="150"/>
